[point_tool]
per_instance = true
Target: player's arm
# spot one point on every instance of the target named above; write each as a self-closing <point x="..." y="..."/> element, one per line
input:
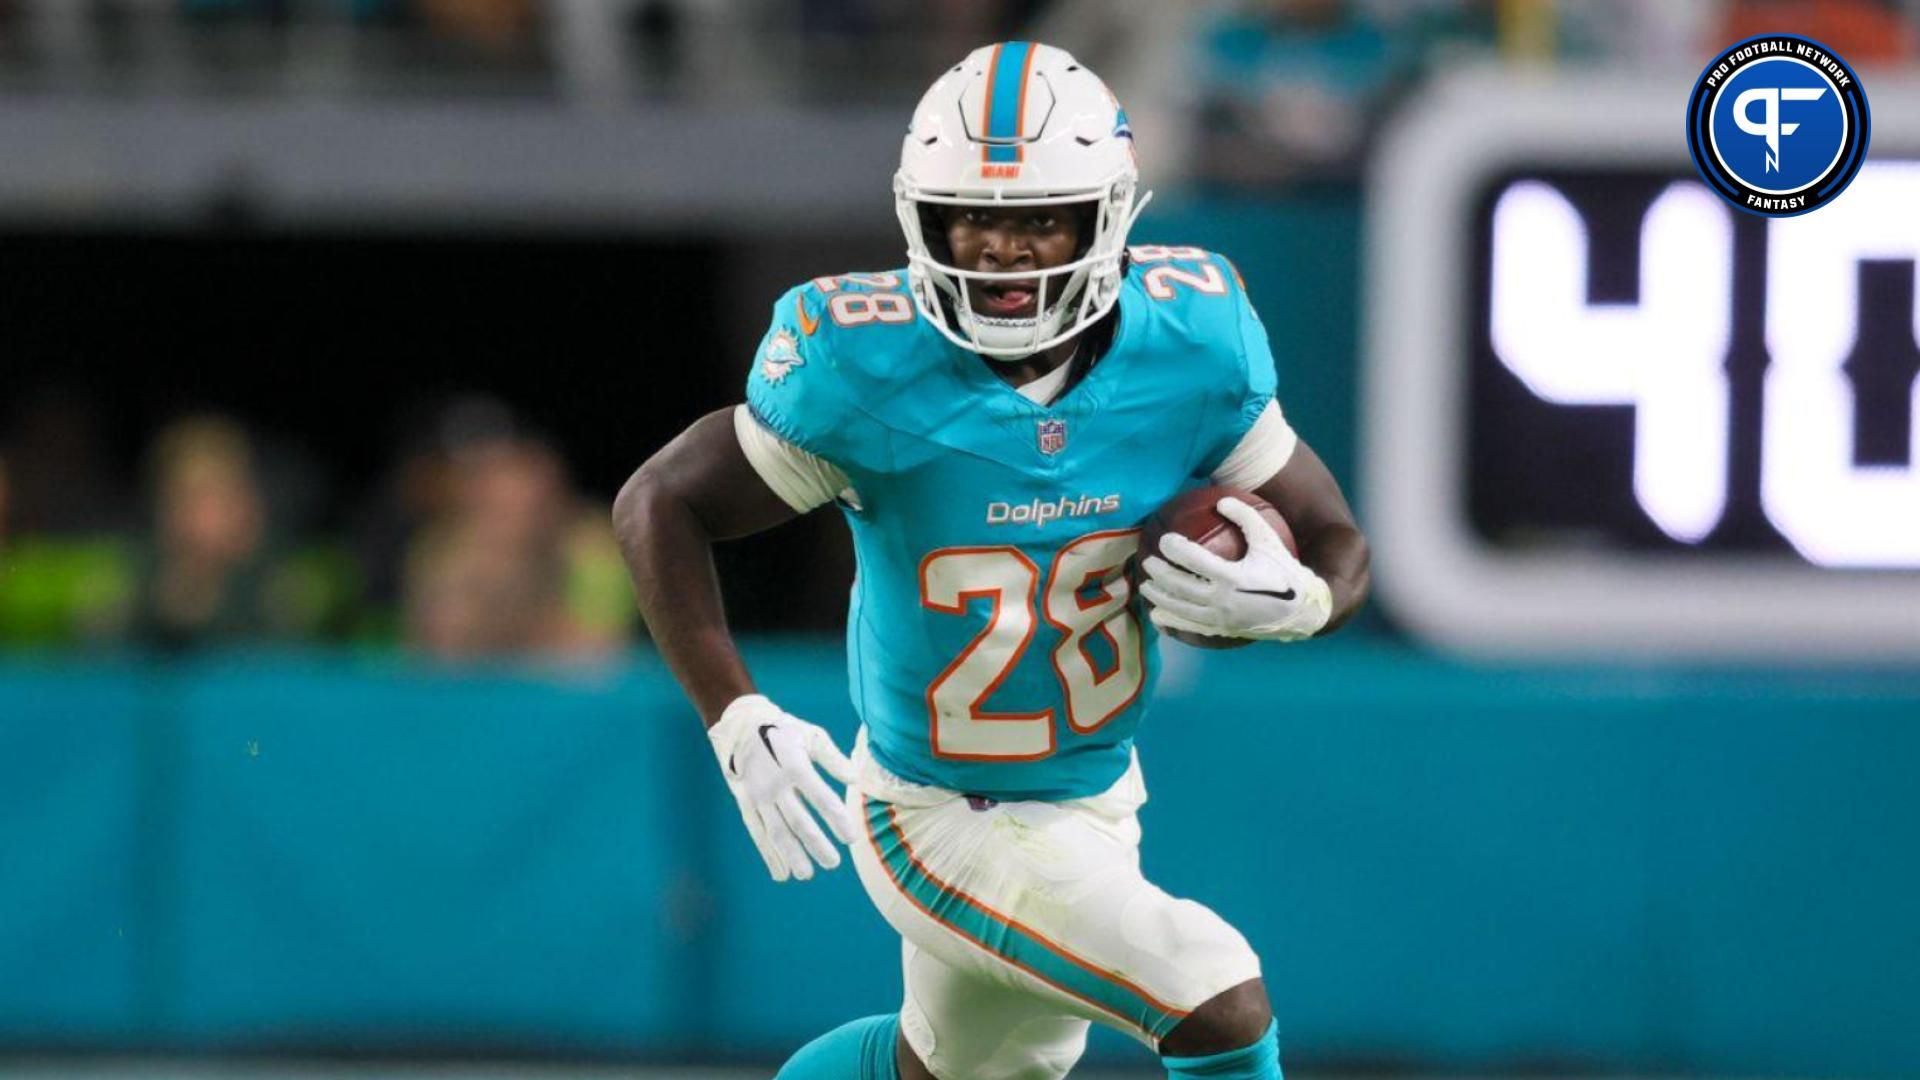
<point x="1268" y="594"/>
<point x="702" y="488"/>
<point x="1331" y="545"/>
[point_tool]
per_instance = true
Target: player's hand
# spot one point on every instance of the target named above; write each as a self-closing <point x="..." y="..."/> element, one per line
<point x="771" y="760"/>
<point x="1266" y="595"/>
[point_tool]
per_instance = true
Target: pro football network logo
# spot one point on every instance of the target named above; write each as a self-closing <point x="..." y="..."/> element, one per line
<point x="1053" y="436"/>
<point x="781" y="357"/>
<point x="1778" y="125"/>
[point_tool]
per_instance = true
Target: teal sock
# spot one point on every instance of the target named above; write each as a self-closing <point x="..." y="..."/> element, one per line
<point x="1261" y="1061"/>
<point x="861" y="1050"/>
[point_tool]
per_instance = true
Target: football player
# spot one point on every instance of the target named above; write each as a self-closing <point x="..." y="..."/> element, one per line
<point x="994" y="420"/>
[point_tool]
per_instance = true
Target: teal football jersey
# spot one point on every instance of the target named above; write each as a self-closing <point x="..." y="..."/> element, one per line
<point x="995" y="645"/>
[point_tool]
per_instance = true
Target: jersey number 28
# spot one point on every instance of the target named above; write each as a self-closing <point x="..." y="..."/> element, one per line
<point x="1085" y="592"/>
<point x="1160" y="280"/>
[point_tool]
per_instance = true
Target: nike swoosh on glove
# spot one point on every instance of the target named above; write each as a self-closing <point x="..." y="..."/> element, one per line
<point x="771" y="760"/>
<point x="1265" y="595"/>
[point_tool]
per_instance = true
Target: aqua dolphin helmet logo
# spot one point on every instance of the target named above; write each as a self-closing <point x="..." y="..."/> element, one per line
<point x="1778" y="125"/>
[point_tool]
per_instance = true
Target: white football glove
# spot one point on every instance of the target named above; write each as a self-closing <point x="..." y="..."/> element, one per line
<point x="771" y="760"/>
<point x="1267" y="595"/>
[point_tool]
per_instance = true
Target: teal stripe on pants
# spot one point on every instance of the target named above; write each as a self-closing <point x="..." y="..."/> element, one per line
<point x="970" y="918"/>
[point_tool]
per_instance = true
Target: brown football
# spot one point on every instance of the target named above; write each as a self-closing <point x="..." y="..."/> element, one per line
<point x="1192" y="514"/>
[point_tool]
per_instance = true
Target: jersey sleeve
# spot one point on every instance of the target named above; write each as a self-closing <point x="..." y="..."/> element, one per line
<point x="1258" y="440"/>
<point x="795" y="389"/>
<point x="1262" y="452"/>
<point x="802" y="480"/>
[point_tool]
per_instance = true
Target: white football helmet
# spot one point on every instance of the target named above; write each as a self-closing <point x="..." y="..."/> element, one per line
<point x="1018" y="122"/>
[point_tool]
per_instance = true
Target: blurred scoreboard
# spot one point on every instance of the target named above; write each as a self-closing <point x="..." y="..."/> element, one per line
<point x="1608" y="413"/>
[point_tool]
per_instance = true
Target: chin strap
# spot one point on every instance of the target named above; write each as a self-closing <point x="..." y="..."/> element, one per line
<point x="939" y="289"/>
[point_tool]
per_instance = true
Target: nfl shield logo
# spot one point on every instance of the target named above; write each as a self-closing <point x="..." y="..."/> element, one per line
<point x="1053" y="436"/>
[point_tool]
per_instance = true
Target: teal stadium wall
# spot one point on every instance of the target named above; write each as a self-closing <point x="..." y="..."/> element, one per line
<point x="1445" y="866"/>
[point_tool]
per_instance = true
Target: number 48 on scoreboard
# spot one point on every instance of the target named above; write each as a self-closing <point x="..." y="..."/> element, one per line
<point x="1607" y="414"/>
<point x="1665" y="354"/>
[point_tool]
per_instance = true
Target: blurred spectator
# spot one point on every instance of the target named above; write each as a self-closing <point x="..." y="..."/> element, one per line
<point x="437" y="45"/>
<point x="1291" y="88"/>
<point x="56" y="588"/>
<point x="516" y="566"/>
<point x="237" y="46"/>
<point x="656" y="30"/>
<point x="62" y="480"/>
<point x="490" y="26"/>
<point x="277" y="11"/>
<point x="1863" y="31"/>
<point x="206" y="576"/>
<point x="1639" y="33"/>
<point x="854" y="48"/>
<point x="414" y="494"/>
<point x="417" y="492"/>
<point x="955" y="28"/>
